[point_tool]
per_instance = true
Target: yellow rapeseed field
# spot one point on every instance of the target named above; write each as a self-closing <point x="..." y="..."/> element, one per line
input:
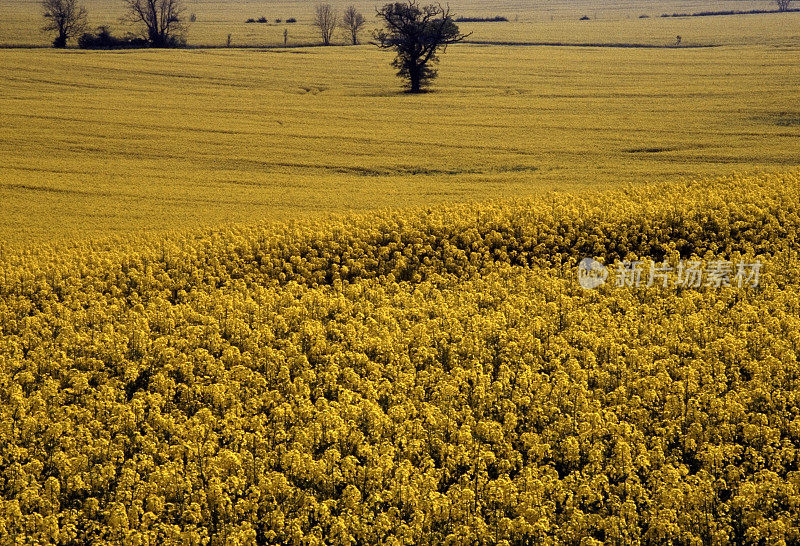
<point x="258" y="295"/>
<point x="425" y="376"/>
<point x="99" y="142"/>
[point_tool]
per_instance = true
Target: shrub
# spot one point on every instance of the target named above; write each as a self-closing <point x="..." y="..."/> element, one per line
<point x="495" y="19"/>
<point x="584" y="18"/>
<point x="262" y="19"/>
<point x="291" y="20"/>
<point x="103" y="39"/>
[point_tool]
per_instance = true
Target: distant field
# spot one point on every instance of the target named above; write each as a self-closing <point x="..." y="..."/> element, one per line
<point x="111" y="142"/>
<point x="537" y="21"/>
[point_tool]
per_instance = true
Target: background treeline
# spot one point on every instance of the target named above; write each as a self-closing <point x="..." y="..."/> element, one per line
<point x="426" y="377"/>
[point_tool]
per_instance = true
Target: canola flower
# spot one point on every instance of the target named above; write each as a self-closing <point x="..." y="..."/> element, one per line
<point x="427" y="376"/>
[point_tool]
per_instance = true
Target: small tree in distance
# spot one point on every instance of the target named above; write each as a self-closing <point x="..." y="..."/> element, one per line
<point x="65" y="17"/>
<point x="783" y="5"/>
<point x="325" y="20"/>
<point x="352" y="22"/>
<point x="416" y="33"/>
<point x="162" y="20"/>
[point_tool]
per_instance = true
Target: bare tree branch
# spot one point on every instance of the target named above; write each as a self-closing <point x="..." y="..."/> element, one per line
<point x="325" y="19"/>
<point x="161" y="20"/>
<point x="352" y="22"/>
<point x="65" y="17"/>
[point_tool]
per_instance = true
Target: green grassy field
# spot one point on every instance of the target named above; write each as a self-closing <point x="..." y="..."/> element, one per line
<point x="109" y="142"/>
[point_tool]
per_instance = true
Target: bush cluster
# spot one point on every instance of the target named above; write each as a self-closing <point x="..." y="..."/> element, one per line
<point x="495" y="19"/>
<point x="103" y="39"/>
<point x="265" y="20"/>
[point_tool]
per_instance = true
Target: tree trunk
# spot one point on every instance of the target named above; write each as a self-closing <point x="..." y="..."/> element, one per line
<point x="61" y="41"/>
<point x="156" y="38"/>
<point x="415" y="78"/>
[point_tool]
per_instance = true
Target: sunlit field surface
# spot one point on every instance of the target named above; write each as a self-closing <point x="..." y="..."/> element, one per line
<point x="109" y="142"/>
<point x="530" y="22"/>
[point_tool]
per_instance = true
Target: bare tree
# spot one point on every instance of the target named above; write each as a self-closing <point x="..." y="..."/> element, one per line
<point x="325" y="20"/>
<point x="352" y="23"/>
<point x="65" y="17"/>
<point x="416" y="33"/>
<point x="162" y="20"/>
<point x="783" y="5"/>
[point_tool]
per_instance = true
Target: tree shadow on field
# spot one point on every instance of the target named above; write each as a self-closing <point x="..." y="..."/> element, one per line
<point x="397" y="93"/>
<point x="284" y="51"/>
